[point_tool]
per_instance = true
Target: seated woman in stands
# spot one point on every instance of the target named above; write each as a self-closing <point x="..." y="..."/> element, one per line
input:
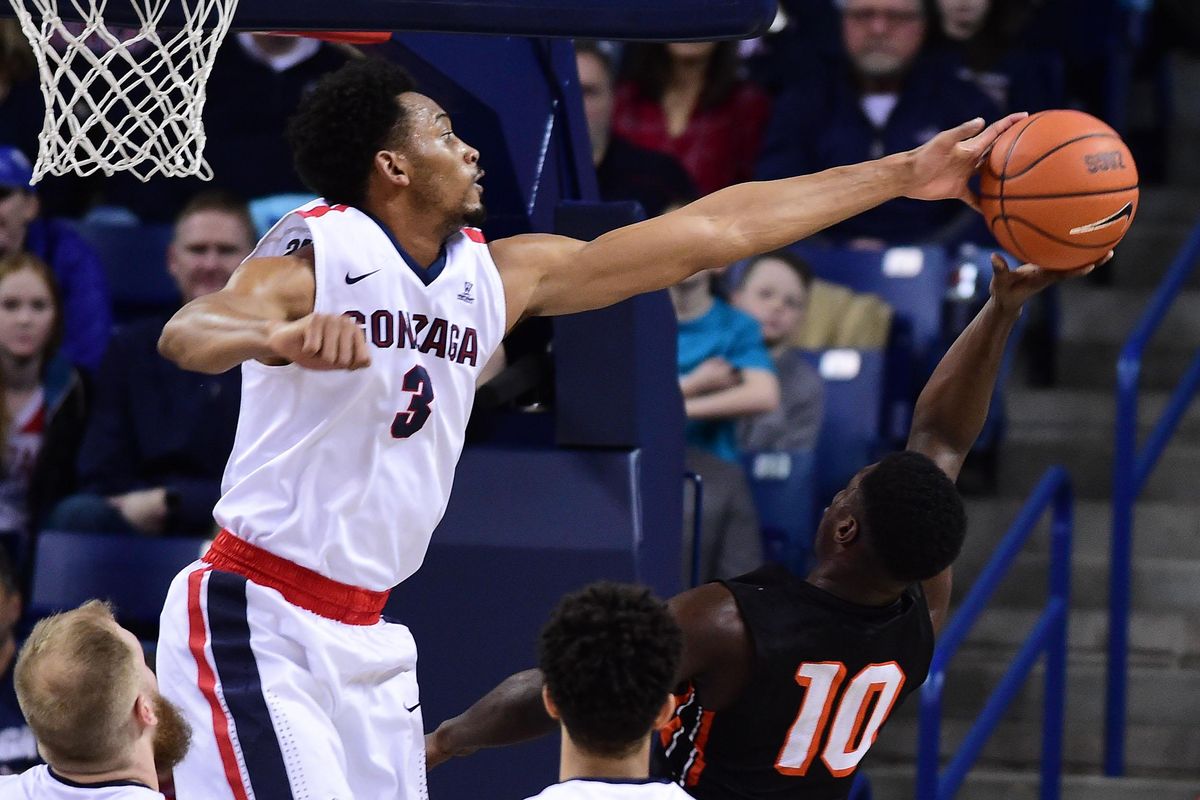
<point x="42" y="417"/>
<point x="774" y="289"/>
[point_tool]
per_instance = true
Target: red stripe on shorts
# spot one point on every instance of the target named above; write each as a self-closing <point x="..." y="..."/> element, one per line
<point x="207" y="680"/>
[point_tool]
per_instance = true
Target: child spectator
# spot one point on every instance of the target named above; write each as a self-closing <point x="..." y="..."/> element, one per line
<point x="624" y="171"/>
<point x="774" y="289"/>
<point x="77" y="270"/>
<point x="879" y="98"/>
<point x="689" y="100"/>
<point x="725" y="372"/>
<point x="157" y="443"/>
<point x="42" y="417"/>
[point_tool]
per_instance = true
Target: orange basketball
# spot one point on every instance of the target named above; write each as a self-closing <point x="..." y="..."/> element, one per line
<point x="1059" y="189"/>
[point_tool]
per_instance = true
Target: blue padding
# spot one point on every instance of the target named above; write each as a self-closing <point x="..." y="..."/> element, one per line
<point x="135" y="262"/>
<point x="134" y="572"/>
<point x="850" y="433"/>
<point x="783" y="485"/>
<point x="598" y="19"/>
<point x="522" y="529"/>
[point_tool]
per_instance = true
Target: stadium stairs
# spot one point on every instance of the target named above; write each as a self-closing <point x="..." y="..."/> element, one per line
<point x="1072" y="423"/>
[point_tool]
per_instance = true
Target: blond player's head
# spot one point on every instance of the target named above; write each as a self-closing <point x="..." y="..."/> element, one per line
<point x="89" y="698"/>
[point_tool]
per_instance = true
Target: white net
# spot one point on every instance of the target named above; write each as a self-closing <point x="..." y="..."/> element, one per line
<point x="123" y="98"/>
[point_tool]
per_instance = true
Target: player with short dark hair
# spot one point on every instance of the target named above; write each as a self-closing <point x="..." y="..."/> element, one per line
<point x="608" y="658"/>
<point x="786" y="680"/>
<point x="361" y="322"/>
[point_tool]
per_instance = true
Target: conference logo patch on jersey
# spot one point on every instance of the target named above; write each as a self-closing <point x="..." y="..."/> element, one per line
<point x="465" y="294"/>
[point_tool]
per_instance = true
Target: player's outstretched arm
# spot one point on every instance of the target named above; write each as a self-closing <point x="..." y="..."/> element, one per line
<point x="555" y="275"/>
<point x="263" y="313"/>
<point x="512" y="712"/>
<point x="953" y="406"/>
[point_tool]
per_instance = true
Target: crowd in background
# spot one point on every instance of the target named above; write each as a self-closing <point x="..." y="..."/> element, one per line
<point x="102" y="434"/>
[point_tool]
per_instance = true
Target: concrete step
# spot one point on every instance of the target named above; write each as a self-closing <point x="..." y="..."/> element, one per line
<point x="1089" y="412"/>
<point x="1103" y="314"/>
<point x="1093" y="365"/>
<point x="1161" y="529"/>
<point x="895" y="782"/>
<point x="1155" y="637"/>
<point x="1145" y="255"/>
<point x="1159" y="584"/>
<point x="1026" y="454"/>
<point x="1157" y="695"/>
<point x="1168" y="751"/>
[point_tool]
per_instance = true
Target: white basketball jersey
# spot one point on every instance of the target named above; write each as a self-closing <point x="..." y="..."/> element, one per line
<point x="38" y="783"/>
<point x="348" y="473"/>
<point x="600" y="789"/>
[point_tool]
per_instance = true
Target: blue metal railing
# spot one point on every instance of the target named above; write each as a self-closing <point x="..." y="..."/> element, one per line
<point x="1131" y="469"/>
<point x="1049" y="635"/>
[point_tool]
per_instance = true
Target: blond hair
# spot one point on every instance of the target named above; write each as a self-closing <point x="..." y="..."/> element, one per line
<point x="76" y="681"/>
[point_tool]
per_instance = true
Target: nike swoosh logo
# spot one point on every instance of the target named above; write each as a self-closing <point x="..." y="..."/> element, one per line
<point x="414" y="708"/>
<point x="1112" y="219"/>
<point x="358" y="278"/>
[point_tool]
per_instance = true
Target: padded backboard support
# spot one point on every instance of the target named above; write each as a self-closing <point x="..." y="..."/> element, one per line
<point x="601" y="19"/>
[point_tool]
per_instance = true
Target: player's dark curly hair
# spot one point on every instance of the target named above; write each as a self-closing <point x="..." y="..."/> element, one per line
<point x="608" y="655"/>
<point x="350" y="115"/>
<point x="915" y="521"/>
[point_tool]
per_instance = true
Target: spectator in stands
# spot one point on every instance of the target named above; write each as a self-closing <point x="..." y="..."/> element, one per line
<point x="689" y="100"/>
<point x="77" y="269"/>
<point x="774" y="289"/>
<point x="978" y="38"/>
<point x="95" y="709"/>
<point x="880" y="98"/>
<point x="725" y="373"/>
<point x="44" y="409"/>
<point x="157" y="443"/>
<point x="624" y="171"/>
<point x="21" y="103"/>
<point x="18" y="750"/>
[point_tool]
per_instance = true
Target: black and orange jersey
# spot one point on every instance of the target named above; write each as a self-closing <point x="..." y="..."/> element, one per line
<point x="826" y="675"/>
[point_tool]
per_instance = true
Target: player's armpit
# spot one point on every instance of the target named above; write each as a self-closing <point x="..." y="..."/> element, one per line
<point x="717" y="652"/>
<point x="216" y="332"/>
<point x="937" y="596"/>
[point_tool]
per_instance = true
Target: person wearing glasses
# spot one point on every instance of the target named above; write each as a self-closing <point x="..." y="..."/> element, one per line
<point x="881" y="95"/>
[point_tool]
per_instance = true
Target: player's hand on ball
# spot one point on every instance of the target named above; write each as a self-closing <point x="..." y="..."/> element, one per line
<point x="1012" y="287"/>
<point x="942" y="166"/>
<point x="322" y="342"/>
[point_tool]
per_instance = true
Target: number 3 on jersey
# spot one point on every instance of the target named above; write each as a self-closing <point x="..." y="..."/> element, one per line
<point x="874" y="689"/>
<point x="408" y="422"/>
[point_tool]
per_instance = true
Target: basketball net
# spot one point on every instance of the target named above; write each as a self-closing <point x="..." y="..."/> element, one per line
<point x="123" y="99"/>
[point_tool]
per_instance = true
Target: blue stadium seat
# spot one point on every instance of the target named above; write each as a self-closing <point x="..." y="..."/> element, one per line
<point x="133" y="572"/>
<point x="850" y="434"/>
<point x="135" y="261"/>
<point x="782" y="484"/>
<point x="913" y="281"/>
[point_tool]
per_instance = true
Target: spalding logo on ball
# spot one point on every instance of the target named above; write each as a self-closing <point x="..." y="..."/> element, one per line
<point x="1059" y="189"/>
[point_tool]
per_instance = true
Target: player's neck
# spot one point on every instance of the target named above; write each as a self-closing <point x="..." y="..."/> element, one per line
<point x="421" y="234"/>
<point x="851" y="586"/>
<point x="576" y="763"/>
<point x="140" y="770"/>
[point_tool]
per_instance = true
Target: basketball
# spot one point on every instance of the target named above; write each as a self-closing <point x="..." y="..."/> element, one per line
<point x="1059" y="189"/>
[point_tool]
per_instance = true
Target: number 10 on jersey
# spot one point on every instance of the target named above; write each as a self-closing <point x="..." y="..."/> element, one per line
<point x="847" y="738"/>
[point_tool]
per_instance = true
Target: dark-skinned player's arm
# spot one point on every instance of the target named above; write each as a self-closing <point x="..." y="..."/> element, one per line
<point x="545" y="275"/>
<point x="716" y="654"/>
<point x="264" y="313"/>
<point x="954" y="403"/>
